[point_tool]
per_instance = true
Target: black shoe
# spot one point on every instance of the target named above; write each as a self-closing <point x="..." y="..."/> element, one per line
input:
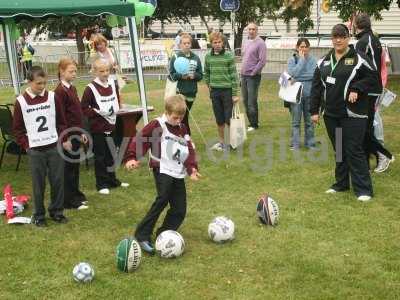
<point x="72" y="204"/>
<point x="39" y="222"/>
<point x="147" y="247"/>
<point x="115" y="184"/>
<point x="59" y="219"/>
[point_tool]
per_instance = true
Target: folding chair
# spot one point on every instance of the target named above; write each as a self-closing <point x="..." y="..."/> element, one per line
<point x="6" y="120"/>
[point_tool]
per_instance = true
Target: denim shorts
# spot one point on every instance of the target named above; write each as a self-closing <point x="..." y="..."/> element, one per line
<point x="222" y="104"/>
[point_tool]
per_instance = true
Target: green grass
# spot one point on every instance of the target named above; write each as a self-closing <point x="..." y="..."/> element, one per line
<point x="325" y="246"/>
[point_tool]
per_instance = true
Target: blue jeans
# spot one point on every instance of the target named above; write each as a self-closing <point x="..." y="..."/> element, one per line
<point x="296" y="111"/>
<point x="250" y="85"/>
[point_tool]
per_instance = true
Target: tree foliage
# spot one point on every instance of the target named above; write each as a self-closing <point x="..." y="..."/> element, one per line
<point x="257" y="10"/>
<point x="250" y="11"/>
<point x="347" y="8"/>
<point x="64" y="24"/>
<point x="300" y="10"/>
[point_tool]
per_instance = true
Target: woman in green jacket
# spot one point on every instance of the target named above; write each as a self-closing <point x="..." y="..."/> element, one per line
<point x="187" y="83"/>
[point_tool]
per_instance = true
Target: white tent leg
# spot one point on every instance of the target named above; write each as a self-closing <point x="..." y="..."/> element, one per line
<point x="9" y="46"/>
<point x="133" y="35"/>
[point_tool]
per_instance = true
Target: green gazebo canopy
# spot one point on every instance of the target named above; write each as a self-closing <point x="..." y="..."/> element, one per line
<point x="14" y="10"/>
<point x="45" y="8"/>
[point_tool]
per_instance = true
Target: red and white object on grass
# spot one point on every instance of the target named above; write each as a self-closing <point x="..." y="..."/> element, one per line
<point x="7" y="195"/>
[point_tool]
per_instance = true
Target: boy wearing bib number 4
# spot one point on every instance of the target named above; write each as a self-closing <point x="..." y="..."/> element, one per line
<point x="100" y="104"/>
<point x="171" y="157"/>
<point x="38" y="122"/>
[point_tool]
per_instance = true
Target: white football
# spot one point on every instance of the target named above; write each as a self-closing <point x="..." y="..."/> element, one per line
<point x="83" y="272"/>
<point x="221" y="229"/>
<point x="268" y="210"/>
<point x="170" y="244"/>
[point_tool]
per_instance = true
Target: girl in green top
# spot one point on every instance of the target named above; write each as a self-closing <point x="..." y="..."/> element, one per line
<point x="187" y="83"/>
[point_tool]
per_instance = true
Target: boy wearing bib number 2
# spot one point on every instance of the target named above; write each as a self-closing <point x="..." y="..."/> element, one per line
<point x="39" y="121"/>
<point x="100" y="104"/>
<point x="171" y="157"/>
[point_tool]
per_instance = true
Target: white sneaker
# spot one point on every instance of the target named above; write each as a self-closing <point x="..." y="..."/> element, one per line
<point x="364" y="198"/>
<point x="124" y="184"/>
<point x="218" y="147"/>
<point x="249" y="129"/>
<point x="330" y="191"/>
<point x="82" y="207"/>
<point x="383" y="163"/>
<point x="104" y="191"/>
<point x="85" y="202"/>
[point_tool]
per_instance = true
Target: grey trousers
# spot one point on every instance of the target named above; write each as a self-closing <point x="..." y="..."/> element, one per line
<point x="250" y="86"/>
<point x="43" y="163"/>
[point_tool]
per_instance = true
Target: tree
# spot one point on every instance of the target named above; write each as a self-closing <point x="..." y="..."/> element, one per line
<point x="250" y="11"/>
<point x="347" y="8"/>
<point x="65" y="24"/>
<point x="300" y="10"/>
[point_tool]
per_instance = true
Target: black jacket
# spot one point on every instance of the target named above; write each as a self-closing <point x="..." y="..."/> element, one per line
<point x="370" y="45"/>
<point x="353" y="73"/>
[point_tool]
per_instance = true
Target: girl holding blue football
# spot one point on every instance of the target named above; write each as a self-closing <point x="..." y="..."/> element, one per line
<point x="187" y="83"/>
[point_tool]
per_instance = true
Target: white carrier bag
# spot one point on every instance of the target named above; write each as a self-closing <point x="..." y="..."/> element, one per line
<point x="386" y="98"/>
<point x="170" y="86"/>
<point x="290" y="91"/>
<point x="40" y="121"/>
<point x="237" y="129"/>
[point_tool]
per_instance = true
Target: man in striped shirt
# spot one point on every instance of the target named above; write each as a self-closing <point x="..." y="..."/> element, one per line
<point x="221" y="77"/>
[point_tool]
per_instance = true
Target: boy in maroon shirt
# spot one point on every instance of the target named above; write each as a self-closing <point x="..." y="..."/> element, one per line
<point x="171" y="157"/>
<point x="100" y="104"/>
<point x="68" y="95"/>
<point x="38" y="123"/>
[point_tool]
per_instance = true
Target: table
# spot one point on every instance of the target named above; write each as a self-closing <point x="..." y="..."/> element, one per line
<point x="127" y="118"/>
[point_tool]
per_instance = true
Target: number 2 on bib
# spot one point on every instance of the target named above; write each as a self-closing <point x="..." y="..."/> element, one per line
<point x="42" y="120"/>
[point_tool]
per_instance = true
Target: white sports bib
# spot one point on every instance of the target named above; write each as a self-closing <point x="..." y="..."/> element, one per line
<point x="174" y="152"/>
<point x="40" y="121"/>
<point x="108" y="105"/>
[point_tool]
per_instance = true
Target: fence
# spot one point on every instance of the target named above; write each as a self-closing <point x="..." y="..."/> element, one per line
<point x="155" y="65"/>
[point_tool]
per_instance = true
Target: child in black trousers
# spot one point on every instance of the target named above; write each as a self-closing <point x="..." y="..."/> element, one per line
<point x="172" y="157"/>
<point x="38" y="124"/>
<point x="68" y="95"/>
<point x="100" y="104"/>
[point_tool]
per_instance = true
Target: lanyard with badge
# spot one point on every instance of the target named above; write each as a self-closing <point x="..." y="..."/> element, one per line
<point x="330" y="79"/>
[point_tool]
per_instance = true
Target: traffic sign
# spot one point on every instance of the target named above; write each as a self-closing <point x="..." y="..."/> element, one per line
<point x="229" y="5"/>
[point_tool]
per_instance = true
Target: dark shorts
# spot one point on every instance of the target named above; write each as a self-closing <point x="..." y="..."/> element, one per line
<point x="222" y="104"/>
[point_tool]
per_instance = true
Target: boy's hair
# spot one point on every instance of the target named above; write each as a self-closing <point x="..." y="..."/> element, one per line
<point x="98" y="39"/>
<point x="99" y="62"/>
<point x="363" y="21"/>
<point x="64" y="63"/>
<point x="216" y="36"/>
<point x="34" y="72"/>
<point x="175" y="104"/>
<point x="185" y="36"/>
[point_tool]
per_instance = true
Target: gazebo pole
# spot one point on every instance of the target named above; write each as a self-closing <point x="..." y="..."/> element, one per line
<point x="11" y="56"/>
<point x="133" y="35"/>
